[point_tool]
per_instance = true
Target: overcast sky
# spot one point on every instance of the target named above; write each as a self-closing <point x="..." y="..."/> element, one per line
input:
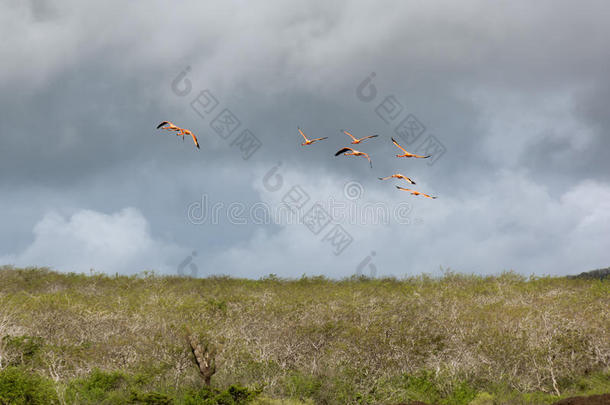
<point x="511" y="99"/>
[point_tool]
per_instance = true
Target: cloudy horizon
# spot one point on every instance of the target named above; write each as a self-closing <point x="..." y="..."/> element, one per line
<point x="510" y="99"/>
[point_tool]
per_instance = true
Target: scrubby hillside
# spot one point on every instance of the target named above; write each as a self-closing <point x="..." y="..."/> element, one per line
<point x="455" y="340"/>
<point x="600" y="274"/>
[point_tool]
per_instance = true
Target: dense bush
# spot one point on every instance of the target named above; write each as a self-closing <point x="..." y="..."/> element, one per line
<point x="453" y="340"/>
<point x="18" y="387"/>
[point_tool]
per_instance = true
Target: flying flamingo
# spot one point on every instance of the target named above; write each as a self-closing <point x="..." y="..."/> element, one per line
<point x="397" y="176"/>
<point x="407" y="154"/>
<point x="358" y="140"/>
<point x="309" y="141"/>
<point x="414" y="192"/>
<point x="180" y="131"/>
<point x="352" y="152"/>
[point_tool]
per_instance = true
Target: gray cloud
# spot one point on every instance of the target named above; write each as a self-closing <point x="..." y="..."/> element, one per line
<point x="517" y="94"/>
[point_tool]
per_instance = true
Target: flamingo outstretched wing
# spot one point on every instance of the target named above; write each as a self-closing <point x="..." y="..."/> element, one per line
<point x="369" y="159"/>
<point x="195" y="140"/>
<point x="301" y="132"/>
<point x="400" y="147"/>
<point x="350" y="135"/>
<point x="343" y="151"/>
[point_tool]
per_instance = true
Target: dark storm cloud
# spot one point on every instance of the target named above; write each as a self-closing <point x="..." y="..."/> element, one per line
<point x="516" y="93"/>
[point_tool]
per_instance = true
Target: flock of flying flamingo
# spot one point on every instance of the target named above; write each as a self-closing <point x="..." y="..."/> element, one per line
<point x="346" y="151"/>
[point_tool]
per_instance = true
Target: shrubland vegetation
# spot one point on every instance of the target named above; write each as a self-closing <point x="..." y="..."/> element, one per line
<point x="458" y="339"/>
